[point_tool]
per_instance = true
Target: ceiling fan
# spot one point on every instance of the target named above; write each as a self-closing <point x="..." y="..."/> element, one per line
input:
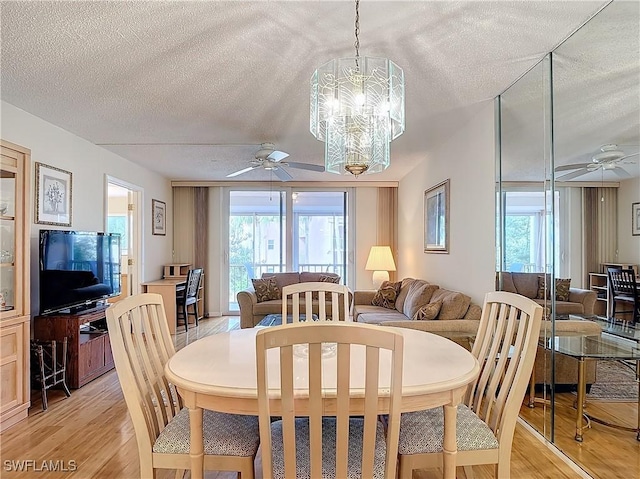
<point x="270" y="159"/>
<point x="608" y="157"/>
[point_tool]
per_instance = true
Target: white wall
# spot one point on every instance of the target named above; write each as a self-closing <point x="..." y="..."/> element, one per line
<point x="89" y="164"/>
<point x="467" y="158"/>
<point x="628" y="245"/>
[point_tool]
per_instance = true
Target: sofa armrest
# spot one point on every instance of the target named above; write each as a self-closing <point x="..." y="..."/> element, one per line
<point x="585" y="296"/>
<point x="246" y="300"/>
<point x="363" y="297"/>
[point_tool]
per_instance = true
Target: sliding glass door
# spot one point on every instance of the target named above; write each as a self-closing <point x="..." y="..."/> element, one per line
<point x="284" y="230"/>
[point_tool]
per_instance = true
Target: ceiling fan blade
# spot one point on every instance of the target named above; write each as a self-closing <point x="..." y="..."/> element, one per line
<point x="622" y="173"/>
<point x="573" y="175"/>
<point x="627" y="156"/>
<point x="244" y="170"/>
<point x="277" y="156"/>
<point x="282" y="174"/>
<point x="571" y="167"/>
<point x="305" y="166"/>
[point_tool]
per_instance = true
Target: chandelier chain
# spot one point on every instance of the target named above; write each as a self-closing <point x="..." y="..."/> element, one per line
<point x="357" y="32"/>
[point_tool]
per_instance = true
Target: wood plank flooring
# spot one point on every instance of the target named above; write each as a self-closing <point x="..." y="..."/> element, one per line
<point x="92" y="428"/>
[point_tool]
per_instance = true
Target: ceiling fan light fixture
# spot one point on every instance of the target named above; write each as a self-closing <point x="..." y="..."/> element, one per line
<point x="357" y="109"/>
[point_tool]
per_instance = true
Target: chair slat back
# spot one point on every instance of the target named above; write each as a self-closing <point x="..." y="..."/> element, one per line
<point x="623" y="282"/>
<point x="313" y="335"/>
<point x="505" y="346"/>
<point x="319" y="293"/>
<point x="141" y="346"/>
<point x="193" y="282"/>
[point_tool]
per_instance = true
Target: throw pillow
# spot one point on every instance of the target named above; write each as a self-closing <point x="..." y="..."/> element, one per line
<point x="562" y="289"/>
<point x="386" y="295"/>
<point x="428" y="311"/>
<point x="323" y="278"/>
<point x="266" y="289"/>
<point x="542" y="288"/>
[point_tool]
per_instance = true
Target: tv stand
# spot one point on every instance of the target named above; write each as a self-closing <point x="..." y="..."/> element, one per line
<point x="89" y="349"/>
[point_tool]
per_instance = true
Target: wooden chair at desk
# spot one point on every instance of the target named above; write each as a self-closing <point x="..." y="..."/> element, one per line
<point x="189" y="297"/>
<point x="624" y="288"/>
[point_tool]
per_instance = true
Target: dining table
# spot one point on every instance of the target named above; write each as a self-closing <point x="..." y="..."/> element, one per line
<point x="218" y="372"/>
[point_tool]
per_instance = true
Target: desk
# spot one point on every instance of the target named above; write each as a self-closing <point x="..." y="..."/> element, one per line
<point x="218" y="372"/>
<point x="168" y="289"/>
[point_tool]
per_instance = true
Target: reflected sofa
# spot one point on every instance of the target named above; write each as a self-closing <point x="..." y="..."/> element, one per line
<point x="581" y="301"/>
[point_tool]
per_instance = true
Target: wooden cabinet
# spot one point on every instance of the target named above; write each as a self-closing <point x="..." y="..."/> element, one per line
<point x="15" y="168"/>
<point x="89" y="348"/>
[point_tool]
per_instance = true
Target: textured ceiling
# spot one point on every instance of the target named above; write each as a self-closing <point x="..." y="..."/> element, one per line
<point x="190" y="89"/>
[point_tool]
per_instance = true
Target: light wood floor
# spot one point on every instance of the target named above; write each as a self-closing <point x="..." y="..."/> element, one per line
<point x="93" y="429"/>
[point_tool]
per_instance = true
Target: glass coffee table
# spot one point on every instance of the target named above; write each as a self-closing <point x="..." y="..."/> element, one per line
<point x="606" y="346"/>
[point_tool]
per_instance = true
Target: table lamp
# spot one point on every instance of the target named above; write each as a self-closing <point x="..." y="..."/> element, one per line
<point x="380" y="262"/>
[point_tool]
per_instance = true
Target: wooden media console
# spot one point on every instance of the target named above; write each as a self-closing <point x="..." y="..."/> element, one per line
<point x="89" y="348"/>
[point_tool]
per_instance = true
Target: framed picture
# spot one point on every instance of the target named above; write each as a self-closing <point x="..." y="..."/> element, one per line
<point x="635" y="219"/>
<point x="159" y="215"/>
<point x="53" y="195"/>
<point x="436" y="218"/>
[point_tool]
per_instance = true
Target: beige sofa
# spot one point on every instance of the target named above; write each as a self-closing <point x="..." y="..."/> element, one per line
<point x="252" y="312"/>
<point x="459" y="320"/>
<point x="457" y="313"/>
<point x="581" y="301"/>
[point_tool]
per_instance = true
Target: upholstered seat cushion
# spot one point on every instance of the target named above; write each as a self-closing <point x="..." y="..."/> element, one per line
<point x="421" y="432"/>
<point x="224" y="435"/>
<point x="328" y="449"/>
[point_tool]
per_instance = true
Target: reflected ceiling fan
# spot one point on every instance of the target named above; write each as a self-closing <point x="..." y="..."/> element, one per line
<point x="608" y="157"/>
<point x="270" y="159"/>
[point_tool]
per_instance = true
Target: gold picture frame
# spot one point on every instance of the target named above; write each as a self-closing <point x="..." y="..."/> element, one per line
<point x="54" y="188"/>
<point x="436" y="218"/>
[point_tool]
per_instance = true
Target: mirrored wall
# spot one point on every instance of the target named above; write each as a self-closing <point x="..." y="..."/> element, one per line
<point x="568" y="172"/>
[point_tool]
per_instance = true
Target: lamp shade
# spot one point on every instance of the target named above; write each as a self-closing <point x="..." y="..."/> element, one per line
<point x="380" y="259"/>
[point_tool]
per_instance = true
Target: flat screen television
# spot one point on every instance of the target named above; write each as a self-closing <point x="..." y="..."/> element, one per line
<point x="77" y="269"/>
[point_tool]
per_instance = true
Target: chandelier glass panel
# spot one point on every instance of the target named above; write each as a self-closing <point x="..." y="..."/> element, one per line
<point x="357" y="109"/>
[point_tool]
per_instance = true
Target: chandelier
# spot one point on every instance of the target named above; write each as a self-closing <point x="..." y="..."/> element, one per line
<point x="357" y="109"/>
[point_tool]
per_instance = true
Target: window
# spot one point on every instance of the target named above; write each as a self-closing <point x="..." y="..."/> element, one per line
<point x="274" y="231"/>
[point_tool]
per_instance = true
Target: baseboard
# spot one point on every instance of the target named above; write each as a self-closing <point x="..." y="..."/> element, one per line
<point x="553" y="448"/>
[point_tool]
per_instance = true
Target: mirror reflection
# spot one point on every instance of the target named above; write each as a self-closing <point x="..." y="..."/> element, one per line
<point x="569" y="174"/>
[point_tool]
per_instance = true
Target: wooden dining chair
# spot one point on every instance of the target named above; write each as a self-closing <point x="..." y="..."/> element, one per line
<point x="624" y="288"/>
<point x="189" y="297"/>
<point x="142" y="345"/>
<point x="327" y="442"/>
<point x="320" y="293"/>
<point x="505" y="346"/>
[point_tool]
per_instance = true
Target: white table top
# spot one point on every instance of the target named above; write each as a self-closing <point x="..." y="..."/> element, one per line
<point x="224" y="365"/>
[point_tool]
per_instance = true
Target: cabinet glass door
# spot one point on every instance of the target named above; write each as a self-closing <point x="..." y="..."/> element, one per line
<point x="7" y="238"/>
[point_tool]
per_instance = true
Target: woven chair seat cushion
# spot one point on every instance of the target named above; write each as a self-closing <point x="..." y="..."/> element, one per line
<point x="303" y="459"/>
<point x="421" y="432"/>
<point x="224" y="435"/>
